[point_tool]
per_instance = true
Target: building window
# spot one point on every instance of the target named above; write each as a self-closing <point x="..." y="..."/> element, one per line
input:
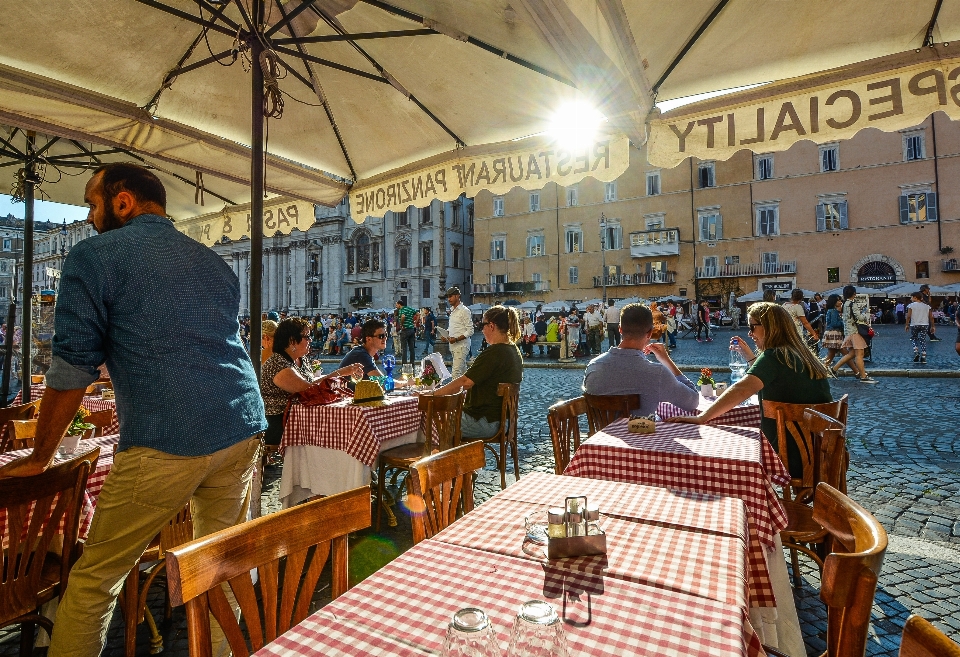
<point x="426" y="250"/>
<point x="314" y="264"/>
<point x="534" y="201"/>
<point x="731" y="260"/>
<point x="425" y="284"/>
<point x="918" y="207"/>
<point x="455" y="209"/>
<point x="769" y="262"/>
<point x="653" y="183"/>
<point x="498" y="280"/>
<point x="425" y="217"/>
<point x="711" y="227"/>
<point x="7" y="245"/>
<point x="710" y="265"/>
<point x="923" y="269"/>
<point x="833" y="274"/>
<point x="404" y="257"/>
<point x="707" y="175"/>
<point x="498" y="248"/>
<point x="497" y="206"/>
<point x="470" y="216"/>
<point x="654" y="221"/>
<point x="574" y="275"/>
<point x="831" y="215"/>
<point x="535" y="246"/>
<point x="456" y="257"/>
<point x="612" y="237"/>
<point x="764" y="166"/>
<point x="610" y="192"/>
<point x="768" y="220"/>
<point x="913" y="147"/>
<point x="574" y="239"/>
<point x="3" y="293"/>
<point x="315" y="296"/>
<point x="829" y="158"/>
<point x="469" y="263"/>
<point x="571" y="196"/>
<point x="401" y="218"/>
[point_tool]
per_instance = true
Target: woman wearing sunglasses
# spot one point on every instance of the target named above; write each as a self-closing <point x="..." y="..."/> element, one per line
<point x="784" y="369"/>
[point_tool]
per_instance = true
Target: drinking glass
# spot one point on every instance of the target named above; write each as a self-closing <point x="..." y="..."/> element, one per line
<point x="538" y="632"/>
<point x="407" y="371"/>
<point x="470" y="634"/>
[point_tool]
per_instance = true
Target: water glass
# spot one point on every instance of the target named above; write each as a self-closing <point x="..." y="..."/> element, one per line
<point x="470" y="634"/>
<point x="538" y="632"/>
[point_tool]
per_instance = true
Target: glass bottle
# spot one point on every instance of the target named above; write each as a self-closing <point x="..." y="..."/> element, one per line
<point x="556" y="528"/>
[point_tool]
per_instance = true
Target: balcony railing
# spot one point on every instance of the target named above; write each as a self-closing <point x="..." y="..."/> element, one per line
<point x="515" y="287"/>
<point x="748" y="269"/>
<point x="950" y="265"/>
<point x="654" y="278"/>
<point x="660" y="242"/>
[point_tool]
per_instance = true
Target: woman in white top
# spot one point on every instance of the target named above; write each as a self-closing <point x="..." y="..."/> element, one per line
<point x="798" y="313"/>
<point x="919" y="324"/>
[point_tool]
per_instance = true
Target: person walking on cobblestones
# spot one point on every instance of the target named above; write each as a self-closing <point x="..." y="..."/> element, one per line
<point x="459" y="331"/>
<point x="833" y="329"/>
<point x="408" y="333"/>
<point x="919" y="324"/>
<point x="612" y="316"/>
<point x="703" y="320"/>
<point x="853" y="343"/>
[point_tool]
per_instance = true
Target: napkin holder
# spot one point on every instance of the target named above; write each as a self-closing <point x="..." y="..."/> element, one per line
<point x="577" y="546"/>
<point x="642" y="424"/>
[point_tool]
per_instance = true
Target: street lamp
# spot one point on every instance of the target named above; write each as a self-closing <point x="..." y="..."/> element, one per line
<point x="603" y="256"/>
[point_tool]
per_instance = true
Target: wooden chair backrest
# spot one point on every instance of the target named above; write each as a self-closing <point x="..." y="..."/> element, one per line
<point x="830" y="445"/>
<point x="178" y="531"/>
<point x="564" y="420"/>
<point x="52" y="497"/>
<point x="509" y="412"/>
<point x="441" y="485"/>
<point x="303" y="537"/>
<point x="19" y="434"/>
<point x="100" y="419"/>
<point x="857" y="544"/>
<point x="440" y="419"/>
<point x="790" y="427"/>
<point x="922" y="639"/>
<point x="21" y="412"/>
<point x="602" y="410"/>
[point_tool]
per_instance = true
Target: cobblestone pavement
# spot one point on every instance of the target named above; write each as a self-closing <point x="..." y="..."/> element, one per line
<point x="905" y="468"/>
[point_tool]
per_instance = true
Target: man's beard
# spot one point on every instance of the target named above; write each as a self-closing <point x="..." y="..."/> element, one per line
<point x="110" y="220"/>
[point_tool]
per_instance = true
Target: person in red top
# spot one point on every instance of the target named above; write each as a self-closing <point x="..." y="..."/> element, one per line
<point x="703" y="320"/>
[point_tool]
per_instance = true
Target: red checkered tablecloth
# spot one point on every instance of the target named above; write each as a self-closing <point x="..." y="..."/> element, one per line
<point x="356" y="430"/>
<point x="36" y="392"/>
<point x="727" y="461"/>
<point x="405" y="607"/>
<point x="692" y="543"/>
<point x="95" y="480"/>
<point x="92" y="403"/>
<point x="746" y="415"/>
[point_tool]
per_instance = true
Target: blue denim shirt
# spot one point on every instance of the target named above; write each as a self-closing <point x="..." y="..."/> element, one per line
<point x="161" y="310"/>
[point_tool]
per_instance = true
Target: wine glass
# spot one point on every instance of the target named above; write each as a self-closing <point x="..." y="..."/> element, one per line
<point x="407" y="371"/>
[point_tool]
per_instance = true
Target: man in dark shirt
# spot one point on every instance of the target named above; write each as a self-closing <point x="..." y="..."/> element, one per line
<point x="408" y="333"/>
<point x="540" y="326"/>
<point x="429" y="330"/>
<point x="373" y="338"/>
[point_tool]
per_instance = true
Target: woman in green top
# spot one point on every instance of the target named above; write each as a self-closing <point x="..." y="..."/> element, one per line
<point x="500" y="362"/>
<point x="784" y="370"/>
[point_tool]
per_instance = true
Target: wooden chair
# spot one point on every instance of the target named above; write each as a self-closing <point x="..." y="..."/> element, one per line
<point x="921" y="639"/>
<point x="303" y="537"/>
<point x="19" y="434"/>
<point x="605" y="409"/>
<point x="440" y="423"/>
<point x="857" y="544"/>
<point x="802" y="532"/>
<point x="441" y="488"/>
<point x="32" y="575"/>
<point x="133" y="597"/>
<point x="21" y="412"/>
<point x="506" y="436"/>
<point x="564" y="420"/>
<point x="790" y="428"/>
<point x="101" y="420"/>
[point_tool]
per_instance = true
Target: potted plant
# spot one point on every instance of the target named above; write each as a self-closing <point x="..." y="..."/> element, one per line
<point x="429" y="377"/>
<point x="79" y="428"/>
<point x="706" y="382"/>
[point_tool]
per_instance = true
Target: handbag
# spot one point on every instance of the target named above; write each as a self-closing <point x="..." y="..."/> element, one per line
<point x="322" y="393"/>
<point x="863" y="330"/>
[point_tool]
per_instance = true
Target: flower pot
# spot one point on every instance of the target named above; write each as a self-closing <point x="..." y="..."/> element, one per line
<point x="706" y="389"/>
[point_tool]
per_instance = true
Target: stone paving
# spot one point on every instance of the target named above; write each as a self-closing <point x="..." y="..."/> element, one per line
<point x="905" y="468"/>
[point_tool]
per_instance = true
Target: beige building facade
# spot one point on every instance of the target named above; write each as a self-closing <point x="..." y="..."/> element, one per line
<point x="873" y="210"/>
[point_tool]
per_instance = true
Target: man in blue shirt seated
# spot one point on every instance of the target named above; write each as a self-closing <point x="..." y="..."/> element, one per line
<point x="625" y="370"/>
<point x="160" y="309"/>
<point x="373" y="338"/>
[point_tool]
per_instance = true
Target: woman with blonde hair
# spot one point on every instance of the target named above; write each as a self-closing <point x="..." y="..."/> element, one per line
<point x="783" y="370"/>
<point x="500" y="362"/>
<point x="267" y="328"/>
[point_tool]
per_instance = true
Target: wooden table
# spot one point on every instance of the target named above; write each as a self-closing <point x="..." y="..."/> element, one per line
<point x="330" y="449"/>
<point x="672" y="583"/>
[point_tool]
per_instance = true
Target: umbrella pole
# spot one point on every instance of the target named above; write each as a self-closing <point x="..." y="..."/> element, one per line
<point x="256" y="203"/>
<point x="26" y="343"/>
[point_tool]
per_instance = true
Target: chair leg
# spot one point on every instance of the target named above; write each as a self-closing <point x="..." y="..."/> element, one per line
<point x="516" y="459"/>
<point x="502" y="464"/>
<point x="156" y="641"/>
<point x="27" y="629"/>
<point x="795" y="564"/>
<point x="381" y="475"/>
<point x="128" y="604"/>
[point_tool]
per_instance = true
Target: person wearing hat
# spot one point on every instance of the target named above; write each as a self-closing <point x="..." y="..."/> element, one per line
<point x="459" y="331"/>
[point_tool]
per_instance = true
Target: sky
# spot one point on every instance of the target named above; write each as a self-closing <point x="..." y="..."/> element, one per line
<point x="44" y="210"/>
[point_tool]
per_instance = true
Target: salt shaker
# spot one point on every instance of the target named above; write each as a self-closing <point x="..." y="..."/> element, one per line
<point x="556" y="528"/>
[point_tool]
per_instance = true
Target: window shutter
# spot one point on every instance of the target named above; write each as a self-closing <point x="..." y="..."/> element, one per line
<point x="703" y="235"/>
<point x="719" y="227"/>
<point x="904" y="209"/>
<point x="821" y="218"/>
<point x="843" y="215"/>
<point x="931" y="207"/>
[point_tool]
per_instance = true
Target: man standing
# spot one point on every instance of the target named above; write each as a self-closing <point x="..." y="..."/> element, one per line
<point x="919" y="324"/>
<point x="703" y="320"/>
<point x="459" y="330"/>
<point x="594" y="323"/>
<point x="189" y="406"/>
<point x="925" y="291"/>
<point x="407" y="332"/>
<point x="612" y="316"/>
<point x="625" y="369"/>
<point x="429" y="330"/>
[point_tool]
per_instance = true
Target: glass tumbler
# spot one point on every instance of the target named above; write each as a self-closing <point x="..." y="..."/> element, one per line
<point x="538" y="632"/>
<point x="470" y="634"/>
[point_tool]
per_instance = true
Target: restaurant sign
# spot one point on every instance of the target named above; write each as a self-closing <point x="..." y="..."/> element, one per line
<point x="890" y="93"/>
<point x="234" y="222"/>
<point x="529" y="163"/>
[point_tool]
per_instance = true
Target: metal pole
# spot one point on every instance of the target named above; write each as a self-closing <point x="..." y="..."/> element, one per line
<point x="256" y="197"/>
<point x="8" y="355"/>
<point x="26" y="345"/>
<point x="603" y="256"/>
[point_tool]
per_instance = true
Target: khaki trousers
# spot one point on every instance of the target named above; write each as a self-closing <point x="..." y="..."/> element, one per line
<point x="144" y="491"/>
<point x="459" y="351"/>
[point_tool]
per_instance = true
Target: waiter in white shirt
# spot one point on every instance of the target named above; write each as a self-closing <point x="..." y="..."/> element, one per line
<point x="459" y="331"/>
<point x="612" y="315"/>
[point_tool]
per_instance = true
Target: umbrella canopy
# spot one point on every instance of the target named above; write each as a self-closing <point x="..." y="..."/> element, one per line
<point x="555" y="307"/>
<point x="528" y="305"/>
<point x="595" y="302"/>
<point x="624" y="302"/>
<point x="478" y="308"/>
<point x="906" y="289"/>
<point x="751" y="297"/>
<point x="869" y="291"/>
